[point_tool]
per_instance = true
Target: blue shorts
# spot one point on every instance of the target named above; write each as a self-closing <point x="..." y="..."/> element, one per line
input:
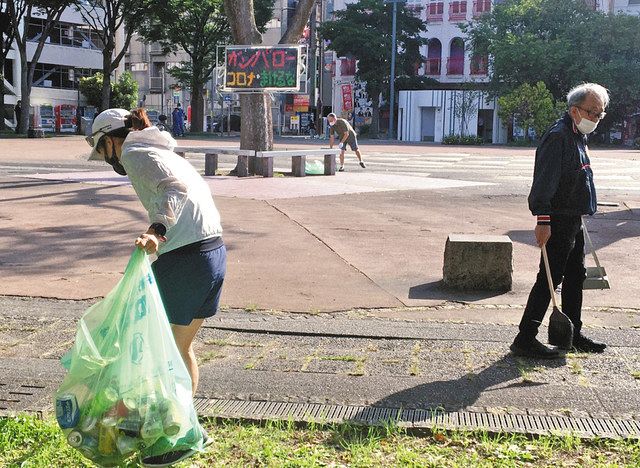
<point x="190" y="282"/>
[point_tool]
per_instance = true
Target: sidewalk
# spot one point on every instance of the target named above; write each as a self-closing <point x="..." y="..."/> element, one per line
<point x="332" y="298"/>
<point x="348" y="362"/>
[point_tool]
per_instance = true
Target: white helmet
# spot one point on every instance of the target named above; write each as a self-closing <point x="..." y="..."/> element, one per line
<point x="105" y="122"/>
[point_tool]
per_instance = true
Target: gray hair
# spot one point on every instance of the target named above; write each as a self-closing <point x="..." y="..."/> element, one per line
<point x="578" y="94"/>
<point x="332" y="115"/>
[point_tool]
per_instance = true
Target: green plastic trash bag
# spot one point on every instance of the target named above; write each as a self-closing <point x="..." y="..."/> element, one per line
<point x="314" y="167"/>
<point x="127" y="390"/>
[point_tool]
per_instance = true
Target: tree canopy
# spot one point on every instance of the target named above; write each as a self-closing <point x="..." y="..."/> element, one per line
<point x="530" y="107"/>
<point x="561" y="44"/>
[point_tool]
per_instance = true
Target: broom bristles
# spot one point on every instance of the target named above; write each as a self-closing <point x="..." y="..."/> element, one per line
<point x="560" y="330"/>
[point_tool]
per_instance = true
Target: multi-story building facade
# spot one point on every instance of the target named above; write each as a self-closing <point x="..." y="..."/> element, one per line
<point x="72" y="50"/>
<point x="431" y="115"/>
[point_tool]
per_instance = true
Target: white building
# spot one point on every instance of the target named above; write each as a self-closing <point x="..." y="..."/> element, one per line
<point x="71" y="51"/>
<point x="629" y="7"/>
<point x="431" y="115"/>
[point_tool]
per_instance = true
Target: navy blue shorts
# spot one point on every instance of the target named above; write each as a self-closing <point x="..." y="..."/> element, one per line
<point x="190" y="282"/>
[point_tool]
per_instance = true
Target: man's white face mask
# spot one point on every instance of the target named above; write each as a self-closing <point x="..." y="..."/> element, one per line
<point x="586" y="126"/>
<point x="332" y="123"/>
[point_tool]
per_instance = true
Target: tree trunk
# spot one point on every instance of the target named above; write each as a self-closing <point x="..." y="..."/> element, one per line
<point x="257" y="126"/>
<point x="2" y="111"/>
<point x="197" y="107"/>
<point x="106" y="79"/>
<point x="25" y="94"/>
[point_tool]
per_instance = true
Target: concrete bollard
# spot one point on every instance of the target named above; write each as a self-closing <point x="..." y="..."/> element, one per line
<point x="478" y="262"/>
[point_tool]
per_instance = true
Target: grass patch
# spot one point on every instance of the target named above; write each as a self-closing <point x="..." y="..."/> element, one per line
<point x="210" y="356"/>
<point x="525" y="369"/>
<point x="29" y="442"/>
<point x="346" y="358"/>
<point x="576" y="367"/>
<point x="414" y="366"/>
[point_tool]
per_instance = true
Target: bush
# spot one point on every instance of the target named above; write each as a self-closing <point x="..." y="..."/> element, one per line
<point x="364" y="130"/>
<point x="462" y="140"/>
<point x="124" y="91"/>
<point x="523" y="142"/>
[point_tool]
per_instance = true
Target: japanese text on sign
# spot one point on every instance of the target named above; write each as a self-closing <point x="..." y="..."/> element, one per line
<point x="255" y="68"/>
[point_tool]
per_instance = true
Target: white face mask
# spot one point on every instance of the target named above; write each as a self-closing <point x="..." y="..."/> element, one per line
<point x="332" y="123"/>
<point x="586" y="126"/>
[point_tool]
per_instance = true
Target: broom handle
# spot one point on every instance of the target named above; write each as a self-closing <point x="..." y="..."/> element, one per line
<point x="593" y="250"/>
<point x="549" y="280"/>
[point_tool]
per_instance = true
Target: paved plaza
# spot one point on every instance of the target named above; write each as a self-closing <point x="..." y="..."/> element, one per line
<point x="333" y="290"/>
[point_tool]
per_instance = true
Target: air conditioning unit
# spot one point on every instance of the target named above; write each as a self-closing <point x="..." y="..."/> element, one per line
<point x="47" y="83"/>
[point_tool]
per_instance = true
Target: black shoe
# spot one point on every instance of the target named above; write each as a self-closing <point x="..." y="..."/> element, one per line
<point x="362" y="165"/>
<point x="533" y="349"/>
<point x="167" y="459"/>
<point x="582" y="344"/>
<point x="341" y="169"/>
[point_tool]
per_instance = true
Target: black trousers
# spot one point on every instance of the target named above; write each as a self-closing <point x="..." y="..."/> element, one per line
<point x="565" y="250"/>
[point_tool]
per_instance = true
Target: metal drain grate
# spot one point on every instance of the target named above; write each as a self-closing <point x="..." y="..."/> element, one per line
<point x="418" y="418"/>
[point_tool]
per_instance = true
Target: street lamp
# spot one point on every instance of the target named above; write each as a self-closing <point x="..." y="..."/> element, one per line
<point x="392" y="91"/>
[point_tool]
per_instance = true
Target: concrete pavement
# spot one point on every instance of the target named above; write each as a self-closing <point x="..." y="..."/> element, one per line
<point x="357" y="258"/>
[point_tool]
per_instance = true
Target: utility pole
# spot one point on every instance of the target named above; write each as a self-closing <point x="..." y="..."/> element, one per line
<point x="392" y="91"/>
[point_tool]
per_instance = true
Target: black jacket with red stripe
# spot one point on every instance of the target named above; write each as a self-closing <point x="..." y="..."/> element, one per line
<point x="562" y="177"/>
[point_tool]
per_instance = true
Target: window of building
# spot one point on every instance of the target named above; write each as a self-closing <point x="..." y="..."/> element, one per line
<point x="65" y="34"/>
<point x="458" y="10"/>
<point x="57" y="76"/>
<point x="481" y="6"/>
<point x="434" y="58"/>
<point x="435" y="11"/>
<point x="455" y="63"/>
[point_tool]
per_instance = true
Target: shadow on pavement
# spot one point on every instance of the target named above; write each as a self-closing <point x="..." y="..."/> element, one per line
<point x="461" y="393"/>
<point x="436" y="290"/>
<point x="605" y="229"/>
<point x="79" y="228"/>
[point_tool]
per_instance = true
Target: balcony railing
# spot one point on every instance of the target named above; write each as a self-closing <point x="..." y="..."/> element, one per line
<point x="480" y="7"/>
<point x="458" y="11"/>
<point x="455" y="66"/>
<point x="479" y="66"/>
<point x="432" y="67"/>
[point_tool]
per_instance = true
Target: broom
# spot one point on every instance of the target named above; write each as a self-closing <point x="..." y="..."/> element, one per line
<point x="560" y="326"/>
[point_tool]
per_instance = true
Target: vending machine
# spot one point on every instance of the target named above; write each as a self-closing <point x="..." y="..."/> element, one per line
<point x="47" y="118"/>
<point x="66" y="118"/>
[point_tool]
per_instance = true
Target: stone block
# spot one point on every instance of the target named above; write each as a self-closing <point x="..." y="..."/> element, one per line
<point x="478" y="262"/>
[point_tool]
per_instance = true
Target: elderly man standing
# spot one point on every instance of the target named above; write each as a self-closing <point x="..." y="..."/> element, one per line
<point x="562" y="192"/>
<point x="346" y="136"/>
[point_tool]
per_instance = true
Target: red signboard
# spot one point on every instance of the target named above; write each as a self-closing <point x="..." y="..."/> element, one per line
<point x="347" y="97"/>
